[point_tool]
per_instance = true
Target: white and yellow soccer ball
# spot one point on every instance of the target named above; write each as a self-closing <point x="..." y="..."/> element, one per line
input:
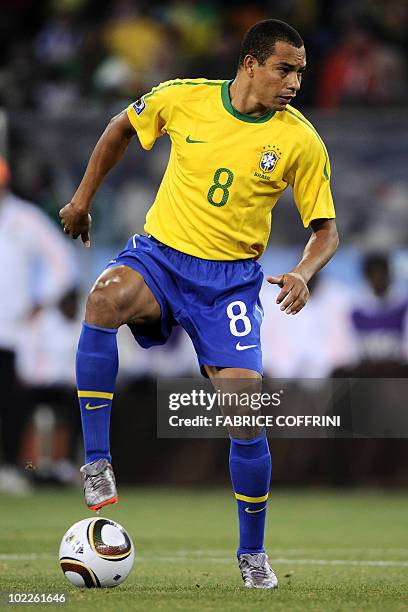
<point x="96" y="553"/>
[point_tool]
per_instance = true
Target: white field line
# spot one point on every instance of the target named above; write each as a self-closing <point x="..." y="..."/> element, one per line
<point x="378" y="563"/>
<point x="25" y="557"/>
<point x="275" y="562"/>
<point x="288" y="551"/>
<point x="181" y="556"/>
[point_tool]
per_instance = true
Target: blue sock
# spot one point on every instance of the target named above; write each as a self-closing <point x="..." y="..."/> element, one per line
<point x="250" y="469"/>
<point x="96" y="370"/>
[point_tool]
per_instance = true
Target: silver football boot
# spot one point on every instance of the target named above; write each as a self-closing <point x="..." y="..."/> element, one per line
<point x="99" y="484"/>
<point x="256" y="571"/>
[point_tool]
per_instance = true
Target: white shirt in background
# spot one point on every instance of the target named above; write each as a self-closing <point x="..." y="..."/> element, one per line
<point x="37" y="265"/>
<point x="312" y="343"/>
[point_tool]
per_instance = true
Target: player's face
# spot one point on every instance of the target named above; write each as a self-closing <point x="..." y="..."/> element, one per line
<point x="276" y="82"/>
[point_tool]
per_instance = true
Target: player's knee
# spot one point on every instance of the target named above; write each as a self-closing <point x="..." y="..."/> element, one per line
<point x="103" y="306"/>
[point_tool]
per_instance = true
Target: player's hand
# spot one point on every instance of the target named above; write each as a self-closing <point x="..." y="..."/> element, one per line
<point x="294" y="292"/>
<point x="76" y="222"/>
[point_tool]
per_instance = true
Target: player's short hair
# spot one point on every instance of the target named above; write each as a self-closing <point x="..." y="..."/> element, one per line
<point x="259" y="41"/>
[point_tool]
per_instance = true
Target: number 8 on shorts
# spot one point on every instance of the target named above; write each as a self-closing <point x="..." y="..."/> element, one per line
<point x="238" y="316"/>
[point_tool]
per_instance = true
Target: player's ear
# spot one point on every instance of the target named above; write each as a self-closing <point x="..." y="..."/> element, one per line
<point x="249" y="65"/>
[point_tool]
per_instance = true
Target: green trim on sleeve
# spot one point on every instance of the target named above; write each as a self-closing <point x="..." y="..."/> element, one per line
<point x="325" y="173"/>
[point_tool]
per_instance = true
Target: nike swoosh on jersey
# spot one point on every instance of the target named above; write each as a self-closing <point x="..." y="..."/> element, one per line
<point x="89" y="407"/>
<point x="192" y="141"/>
<point x="239" y="347"/>
<point x="249" y="511"/>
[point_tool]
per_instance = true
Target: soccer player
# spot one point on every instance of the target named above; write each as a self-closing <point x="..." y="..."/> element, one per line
<point x="236" y="146"/>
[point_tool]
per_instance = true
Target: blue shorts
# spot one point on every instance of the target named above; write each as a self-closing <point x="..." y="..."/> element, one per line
<point x="217" y="302"/>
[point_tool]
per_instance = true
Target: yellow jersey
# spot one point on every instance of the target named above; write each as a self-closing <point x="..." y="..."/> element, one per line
<point x="227" y="170"/>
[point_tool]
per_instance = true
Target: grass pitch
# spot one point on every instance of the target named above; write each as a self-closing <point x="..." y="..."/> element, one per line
<point x="331" y="550"/>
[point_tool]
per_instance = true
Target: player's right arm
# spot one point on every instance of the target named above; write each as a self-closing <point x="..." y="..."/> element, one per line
<point x="311" y="189"/>
<point x="111" y="146"/>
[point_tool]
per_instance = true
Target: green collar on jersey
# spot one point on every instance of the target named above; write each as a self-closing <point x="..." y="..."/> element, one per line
<point x="235" y="113"/>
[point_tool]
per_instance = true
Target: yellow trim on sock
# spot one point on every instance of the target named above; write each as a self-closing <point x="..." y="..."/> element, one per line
<point x="100" y="394"/>
<point x="252" y="500"/>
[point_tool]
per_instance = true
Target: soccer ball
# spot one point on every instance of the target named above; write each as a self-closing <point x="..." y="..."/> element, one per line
<point x="95" y="553"/>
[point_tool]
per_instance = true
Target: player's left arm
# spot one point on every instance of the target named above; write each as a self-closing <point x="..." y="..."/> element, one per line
<point x="310" y="179"/>
<point x="318" y="251"/>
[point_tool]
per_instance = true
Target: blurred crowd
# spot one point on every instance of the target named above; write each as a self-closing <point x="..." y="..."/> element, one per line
<point x="60" y="54"/>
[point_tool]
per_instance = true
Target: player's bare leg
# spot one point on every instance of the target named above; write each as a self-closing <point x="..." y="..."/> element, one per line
<point x="237" y="380"/>
<point x="119" y="296"/>
<point x="250" y="467"/>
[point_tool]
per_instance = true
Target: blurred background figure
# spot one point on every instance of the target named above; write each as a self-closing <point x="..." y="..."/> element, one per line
<point x="46" y="367"/>
<point x="380" y="320"/>
<point x="316" y="341"/>
<point x="37" y="267"/>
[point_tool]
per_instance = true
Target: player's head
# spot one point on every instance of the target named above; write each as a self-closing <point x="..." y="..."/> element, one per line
<point x="272" y="59"/>
<point x="377" y="272"/>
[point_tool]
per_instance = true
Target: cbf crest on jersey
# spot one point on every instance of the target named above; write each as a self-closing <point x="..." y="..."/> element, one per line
<point x="139" y="105"/>
<point x="269" y="158"/>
